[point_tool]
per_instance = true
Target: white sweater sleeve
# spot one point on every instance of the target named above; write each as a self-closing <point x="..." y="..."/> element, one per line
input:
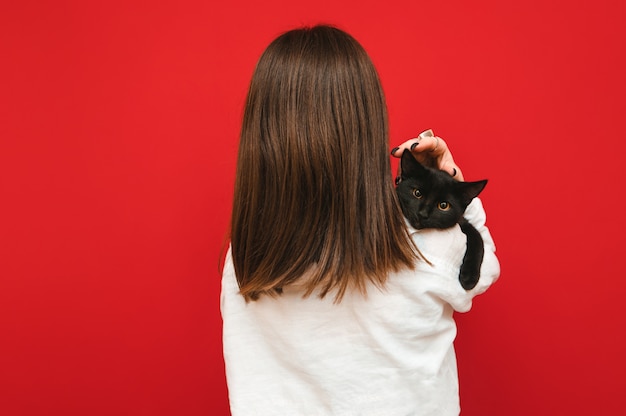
<point x="444" y="250"/>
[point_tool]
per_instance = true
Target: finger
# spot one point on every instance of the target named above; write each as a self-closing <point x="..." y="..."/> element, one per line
<point x="409" y="144"/>
<point x="431" y="144"/>
<point x="453" y="170"/>
<point x="424" y="151"/>
<point x="415" y="144"/>
<point x="425" y="141"/>
<point x="426" y="133"/>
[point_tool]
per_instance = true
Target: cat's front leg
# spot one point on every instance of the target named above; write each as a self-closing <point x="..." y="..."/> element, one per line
<point x="473" y="259"/>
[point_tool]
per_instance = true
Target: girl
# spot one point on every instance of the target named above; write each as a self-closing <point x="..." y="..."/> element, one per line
<point x="331" y="304"/>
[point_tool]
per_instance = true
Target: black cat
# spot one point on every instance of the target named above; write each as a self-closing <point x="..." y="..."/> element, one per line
<point x="431" y="198"/>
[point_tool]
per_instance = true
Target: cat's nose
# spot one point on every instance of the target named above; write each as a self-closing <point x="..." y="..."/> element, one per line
<point x="422" y="214"/>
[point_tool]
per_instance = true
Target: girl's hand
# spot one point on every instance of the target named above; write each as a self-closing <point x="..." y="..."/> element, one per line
<point x="431" y="151"/>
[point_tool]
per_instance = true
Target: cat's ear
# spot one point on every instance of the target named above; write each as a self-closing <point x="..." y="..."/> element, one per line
<point x="470" y="190"/>
<point x="409" y="166"/>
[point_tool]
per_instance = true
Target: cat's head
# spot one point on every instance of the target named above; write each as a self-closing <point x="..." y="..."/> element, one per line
<point x="431" y="198"/>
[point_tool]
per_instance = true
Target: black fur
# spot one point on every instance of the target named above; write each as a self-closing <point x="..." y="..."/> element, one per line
<point x="431" y="198"/>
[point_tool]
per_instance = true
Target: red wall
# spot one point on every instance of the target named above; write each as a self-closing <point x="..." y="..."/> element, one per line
<point x="118" y="139"/>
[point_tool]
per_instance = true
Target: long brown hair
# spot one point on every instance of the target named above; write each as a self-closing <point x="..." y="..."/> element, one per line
<point x="313" y="189"/>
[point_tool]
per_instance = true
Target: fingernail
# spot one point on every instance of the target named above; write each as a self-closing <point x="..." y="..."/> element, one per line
<point x="414" y="145"/>
<point x="394" y="150"/>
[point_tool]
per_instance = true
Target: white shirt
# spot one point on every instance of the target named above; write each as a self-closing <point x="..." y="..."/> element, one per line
<point x="389" y="353"/>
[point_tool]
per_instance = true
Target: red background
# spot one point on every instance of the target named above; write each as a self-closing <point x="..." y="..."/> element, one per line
<point x="118" y="139"/>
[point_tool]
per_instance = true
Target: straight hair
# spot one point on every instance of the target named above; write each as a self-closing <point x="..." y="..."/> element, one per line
<point x="314" y="192"/>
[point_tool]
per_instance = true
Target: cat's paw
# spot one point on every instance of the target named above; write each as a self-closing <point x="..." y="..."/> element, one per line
<point x="468" y="280"/>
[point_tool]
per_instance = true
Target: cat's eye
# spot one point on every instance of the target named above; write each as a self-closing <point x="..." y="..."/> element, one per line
<point x="443" y="206"/>
<point x="417" y="194"/>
